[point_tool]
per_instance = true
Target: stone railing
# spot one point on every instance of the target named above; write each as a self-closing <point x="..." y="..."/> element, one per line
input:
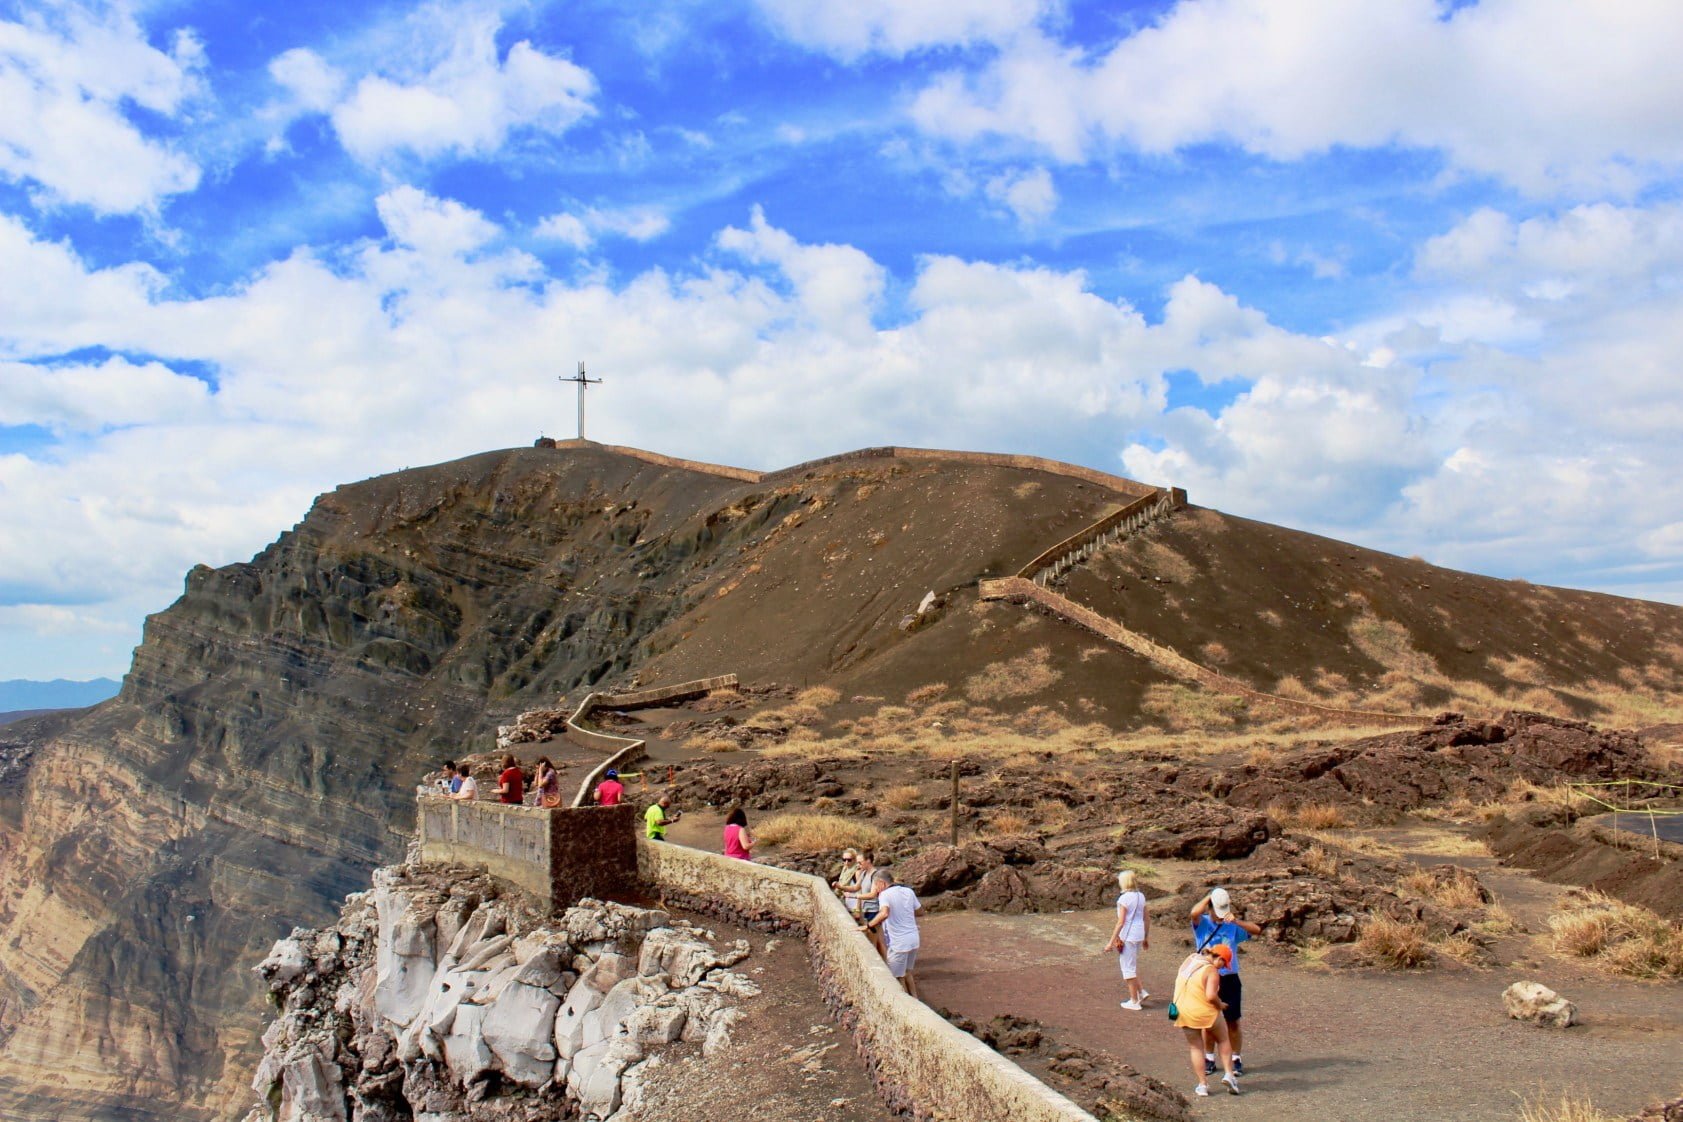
<point x="1058" y="560"/>
<point x="1110" y="482"/>
<point x="562" y="856"/>
<point x="1024" y="591"/>
<point x="922" y="1064"/>
<point x="623" y="750"/>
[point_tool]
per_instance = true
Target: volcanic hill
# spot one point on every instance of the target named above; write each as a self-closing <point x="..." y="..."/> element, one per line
<point x="262" y="755"/>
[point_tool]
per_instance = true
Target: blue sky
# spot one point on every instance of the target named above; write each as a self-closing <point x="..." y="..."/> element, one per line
<point x="1402" y="272"/>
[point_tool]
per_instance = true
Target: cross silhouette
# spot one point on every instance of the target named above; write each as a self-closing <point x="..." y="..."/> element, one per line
<point x="582" y="382"/>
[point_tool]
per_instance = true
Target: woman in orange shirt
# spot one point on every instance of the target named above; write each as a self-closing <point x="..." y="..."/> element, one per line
<point x="1198" y="1006"/>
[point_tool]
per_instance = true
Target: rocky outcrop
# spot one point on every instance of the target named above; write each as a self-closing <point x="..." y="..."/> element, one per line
<point x="442" y="993"/>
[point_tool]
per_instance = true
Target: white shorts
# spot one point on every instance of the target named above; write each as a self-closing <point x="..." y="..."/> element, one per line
<point x="1130" y="957"/>
<point x="900" y="963"/>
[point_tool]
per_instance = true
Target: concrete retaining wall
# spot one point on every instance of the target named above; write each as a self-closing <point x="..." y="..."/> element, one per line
<point x="562" y="856"/>
<point x="1024" y="591"/>
<point x="922" y="1064"/>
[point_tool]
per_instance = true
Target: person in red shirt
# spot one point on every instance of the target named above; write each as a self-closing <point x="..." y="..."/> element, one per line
<point x="511" y="784"/>
<point x="610" y="791"/>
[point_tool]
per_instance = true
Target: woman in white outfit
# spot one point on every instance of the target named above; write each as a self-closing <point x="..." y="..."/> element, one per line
<point x="1131" y="935"/>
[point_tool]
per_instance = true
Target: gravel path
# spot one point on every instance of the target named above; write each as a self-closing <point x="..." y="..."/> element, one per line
<point x="1339" y="1046"/>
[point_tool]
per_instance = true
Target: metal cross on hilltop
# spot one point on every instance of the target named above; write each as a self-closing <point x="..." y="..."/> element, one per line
<point x="582" y="382"/>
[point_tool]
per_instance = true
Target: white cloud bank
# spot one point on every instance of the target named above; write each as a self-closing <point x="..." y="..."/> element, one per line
<point x="67" y="84"/>
<point x="439" y="341"/>
<point x="467" y="102"/>
<point x="1546" y="94"/>
<point x="898" y="27"/>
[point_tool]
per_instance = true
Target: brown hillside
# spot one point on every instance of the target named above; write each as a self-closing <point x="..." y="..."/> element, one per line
<point x="1310" y="617"/>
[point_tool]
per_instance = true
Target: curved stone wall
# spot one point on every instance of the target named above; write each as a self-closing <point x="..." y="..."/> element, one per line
<point x="923" y="1065"/>
<point x="625" y="750"/>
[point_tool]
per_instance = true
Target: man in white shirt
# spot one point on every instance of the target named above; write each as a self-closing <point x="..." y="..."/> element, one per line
<point x="898" y="921"/>
<point x="469" y="789"/>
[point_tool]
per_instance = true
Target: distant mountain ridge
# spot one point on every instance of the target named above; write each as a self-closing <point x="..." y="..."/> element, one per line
<point x="60" y="693"/>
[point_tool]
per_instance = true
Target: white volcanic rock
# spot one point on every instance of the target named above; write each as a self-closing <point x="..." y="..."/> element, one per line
<point x="520" y="1031"/>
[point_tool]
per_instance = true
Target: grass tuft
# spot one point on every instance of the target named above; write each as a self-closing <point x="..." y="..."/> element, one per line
<point x="817" y="832"/>
<point x="1394" y="943"/>
<point x="1569" y="1107"/>
<point x="1309" y="816"/>
<point x="1620" y="937"/>
<point x="1018" y="677"/>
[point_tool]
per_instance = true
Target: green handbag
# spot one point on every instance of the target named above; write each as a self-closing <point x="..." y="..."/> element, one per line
<point x="1174" y="1011"/>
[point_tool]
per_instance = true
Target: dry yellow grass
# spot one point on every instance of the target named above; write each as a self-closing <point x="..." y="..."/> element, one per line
<point x="1309" y="816"/>
<point x="1162" y="561"/>
<point x="1394" y="943"/>
<point x="819" y="832"/>
<point x="711" y="744"/>
<point x="1569" y="1107"/>
<point x="1463" y="947"/>
<point x="1321" y="862"/>
<point x="900" y="797"/>
<point x="923" y="695"/>
<point x="1621" y="937"/>
<point x="1447" y="843"/>
<point x="1006" y="823"/>
<point x="818" y="696"/>
<point x="1456" y="894"/>
<point x="1214" y="653"/>
<point x="1018" y="677"/>
<point x="1050" y="814"/>
<point x="1180" y="707"/>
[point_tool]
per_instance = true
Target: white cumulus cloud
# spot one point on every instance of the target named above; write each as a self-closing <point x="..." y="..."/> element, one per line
<point x="466" y="103"/>
<point x="898" y="27"/>
<point x="68" y="85"/>
<point x="1546" y="94"/>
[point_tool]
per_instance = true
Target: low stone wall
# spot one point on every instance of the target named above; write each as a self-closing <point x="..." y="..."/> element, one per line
<point x="1130" y="487"/>
<point x="625" y="750"/>
<point x="562" y="856"/>
<point x="923" y="1065"/>
<point x="1024" y="591"/>
<point x="1116" y="483"/>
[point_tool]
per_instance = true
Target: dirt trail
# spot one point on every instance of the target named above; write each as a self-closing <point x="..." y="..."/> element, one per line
<point x="1345" y="1046"/>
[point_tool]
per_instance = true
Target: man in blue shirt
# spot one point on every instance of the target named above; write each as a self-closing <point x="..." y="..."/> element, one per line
<point x="1215" y="921"/>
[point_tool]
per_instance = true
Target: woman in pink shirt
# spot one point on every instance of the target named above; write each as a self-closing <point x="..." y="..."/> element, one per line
<point x="739" y="842"/>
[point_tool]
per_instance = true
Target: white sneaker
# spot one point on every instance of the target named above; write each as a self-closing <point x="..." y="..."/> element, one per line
<point x="1132" y="1005"/>
<point x="1202" y="1091"/>
<point x="1232" y="1084"/>
<point x="1144" y="994"/>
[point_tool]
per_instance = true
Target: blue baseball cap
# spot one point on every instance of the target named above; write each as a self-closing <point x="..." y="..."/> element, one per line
<point x="613" y="773"/>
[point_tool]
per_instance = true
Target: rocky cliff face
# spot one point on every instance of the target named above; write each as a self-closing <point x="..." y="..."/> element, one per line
<point x="441" y="994"/>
